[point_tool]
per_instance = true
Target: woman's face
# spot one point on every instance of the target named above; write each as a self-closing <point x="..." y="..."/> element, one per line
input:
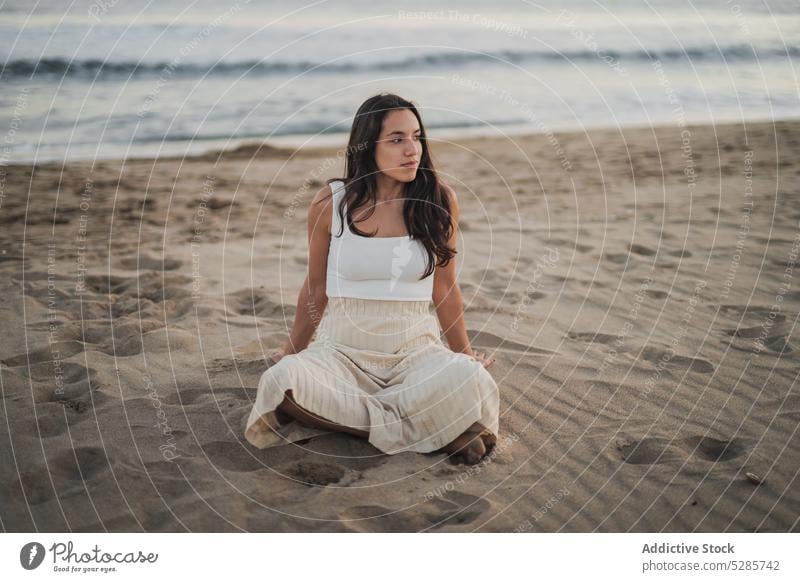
<point x="399" y="149"/>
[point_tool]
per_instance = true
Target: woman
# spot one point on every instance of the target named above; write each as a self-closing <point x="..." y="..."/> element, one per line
<point x="382" y="243"/>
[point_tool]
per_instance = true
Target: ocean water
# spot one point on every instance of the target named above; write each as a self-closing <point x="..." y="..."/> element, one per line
<point x="120" y="78"/>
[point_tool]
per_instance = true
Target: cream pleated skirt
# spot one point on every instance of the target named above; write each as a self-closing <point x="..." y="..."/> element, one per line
<point x="379" y="366"/>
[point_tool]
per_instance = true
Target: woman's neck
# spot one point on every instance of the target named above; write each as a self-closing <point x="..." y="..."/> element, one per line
<point x="388" y="188"/>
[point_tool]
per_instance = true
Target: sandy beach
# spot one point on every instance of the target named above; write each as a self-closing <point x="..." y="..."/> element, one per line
<point x="638" y="287"/>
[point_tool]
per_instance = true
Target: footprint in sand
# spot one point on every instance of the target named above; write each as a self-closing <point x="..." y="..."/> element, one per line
<point x="18" y="386"/>
<point x="38" y="287"/>
<point x="34" y="488"/>
<point x="712" y="449"/>
<point x="774" y="241"/>
<point x="751" y="313"/>
<point x="617" y="258"/>
<point x="106" y="284"/>
<point x="569" y="244"/>
<point x="484" y="339"/>
<point x="58" y="372"/>
<point x="746" y="332"/>
<point x="452" y="508"/>
<point x="792" y="296"/>
<point x="757" y="330"/>
<point x="656" y="294"/>
<point x="683" y="253"/>
<point x="641" y="250"/>
<point x="593" y="337"/>
<point x="80" y="464"/>
<point x="657" y="355"/>
<point x="783" y="263"/>
<point x="152" y="295"/>
<point x="236" y="457"/>
<point x="63" y="474"/>
<point x="491" y="279"/>
<point x="773" y="343"/>
<point x="152" y="285"/>
<point x="648" y="451"/>
<point x="66" y="383"/>
<point x="51" y="419"/>
<point x="257" y="303"/>
<point x="123" y="337"/>
<point x="56" y="350"/>
<point x="77" y="396"/>
<point x="150" y="263"/>
<point x="653" y="450"/>
<point x="309" y="472"/>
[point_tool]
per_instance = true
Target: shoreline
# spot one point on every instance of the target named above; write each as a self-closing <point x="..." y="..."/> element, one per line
<point x="285" y="145"/>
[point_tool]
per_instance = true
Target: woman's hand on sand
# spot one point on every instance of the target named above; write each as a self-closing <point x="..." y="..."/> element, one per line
<point x="483" y="359"/>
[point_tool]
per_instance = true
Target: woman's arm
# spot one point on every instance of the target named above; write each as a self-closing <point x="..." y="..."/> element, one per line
<point x="312" y="298"/>
<point x="448" y="300"/>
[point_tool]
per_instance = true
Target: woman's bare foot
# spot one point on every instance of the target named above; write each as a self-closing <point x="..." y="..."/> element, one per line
<point x="470" y="445"/>
<point x="489" y="440"/>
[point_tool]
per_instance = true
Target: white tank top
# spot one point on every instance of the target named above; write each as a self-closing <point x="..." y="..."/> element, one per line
<point x="374" y="267"/>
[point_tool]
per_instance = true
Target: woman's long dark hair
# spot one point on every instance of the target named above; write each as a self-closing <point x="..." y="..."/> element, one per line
<point x="426" y="210"/>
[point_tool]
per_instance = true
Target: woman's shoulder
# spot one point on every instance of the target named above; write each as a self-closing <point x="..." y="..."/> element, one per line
<point x="319" y="212"/>
<point x="330" y="191"/>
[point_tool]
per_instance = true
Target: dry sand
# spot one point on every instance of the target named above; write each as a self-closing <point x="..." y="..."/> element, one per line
<point x="635" y="287"/>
